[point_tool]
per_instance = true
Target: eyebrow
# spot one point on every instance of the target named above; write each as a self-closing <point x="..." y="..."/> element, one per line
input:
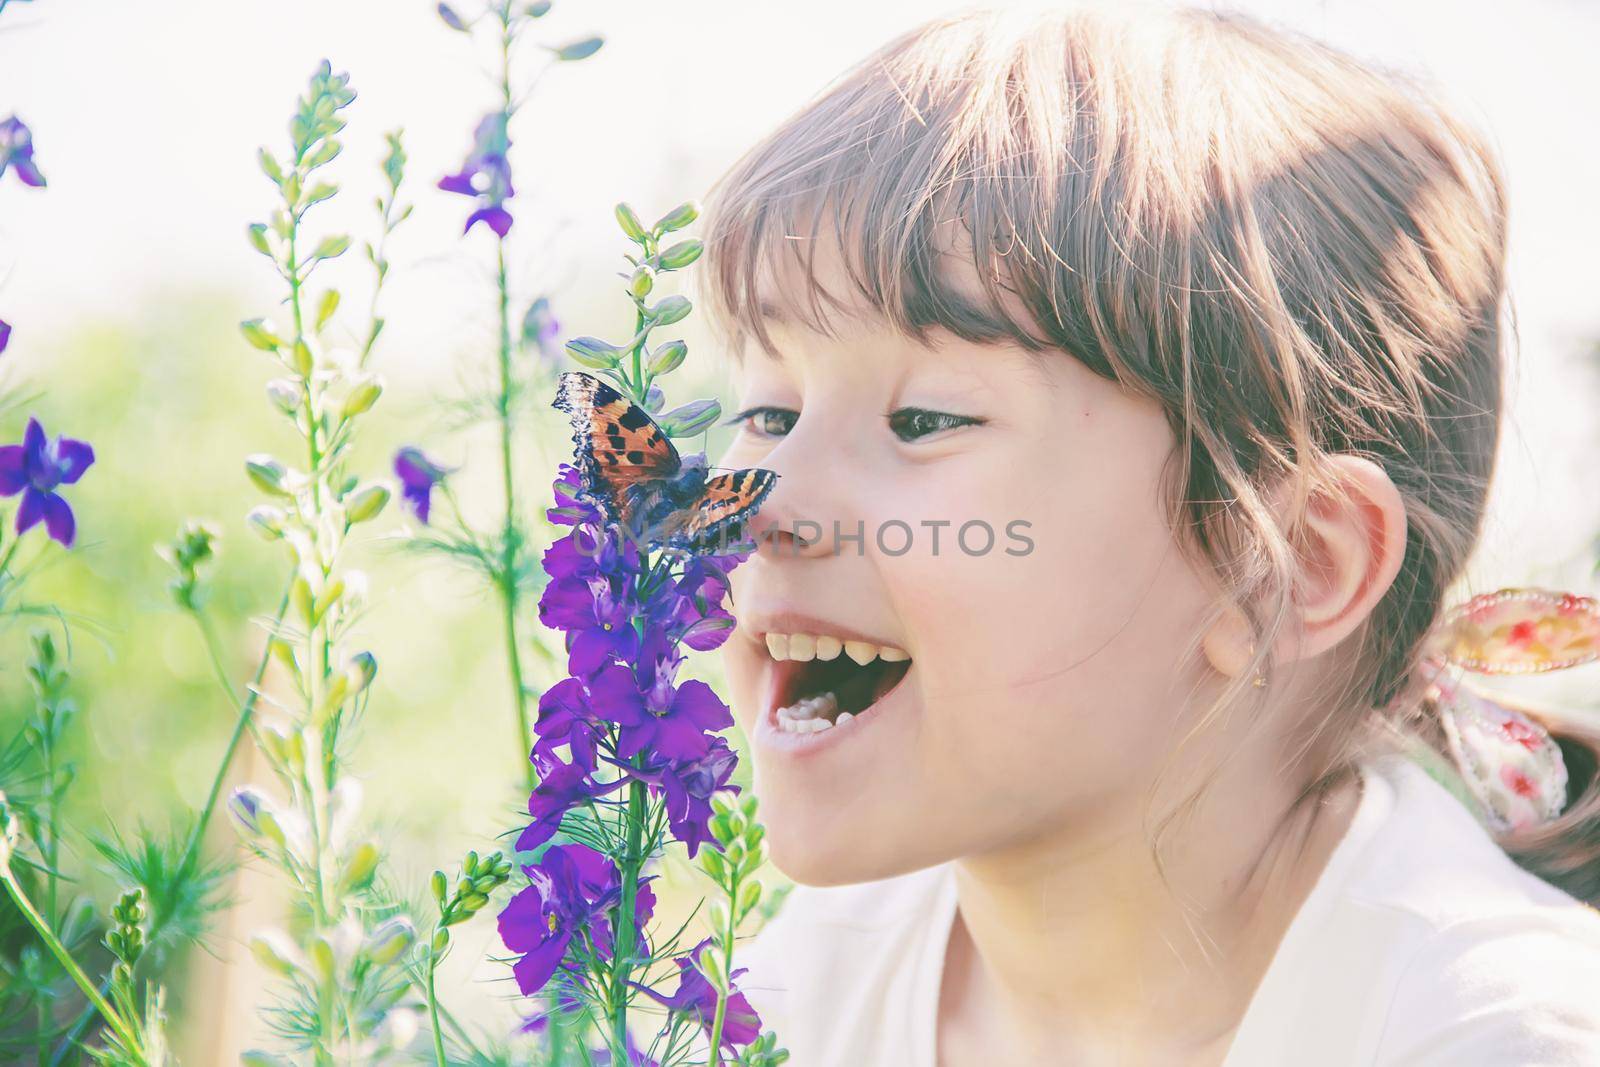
<point x="766" y="309"/>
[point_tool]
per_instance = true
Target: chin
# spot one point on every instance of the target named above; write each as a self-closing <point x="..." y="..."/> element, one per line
<point x="827" y="845"/>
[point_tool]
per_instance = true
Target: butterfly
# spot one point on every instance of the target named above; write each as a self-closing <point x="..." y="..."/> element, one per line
<point x="629" y="468"/>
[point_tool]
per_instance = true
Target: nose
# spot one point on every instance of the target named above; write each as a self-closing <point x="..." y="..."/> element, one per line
<point x="798" y="516"/>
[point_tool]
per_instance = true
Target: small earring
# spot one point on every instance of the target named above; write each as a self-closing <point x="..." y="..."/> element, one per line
<point x="1260" y="679"/>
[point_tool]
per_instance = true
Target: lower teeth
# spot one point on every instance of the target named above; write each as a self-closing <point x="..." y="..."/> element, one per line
<point x="810" y="716"/>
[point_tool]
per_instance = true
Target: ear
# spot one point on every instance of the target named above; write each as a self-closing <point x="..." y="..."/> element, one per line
<point x="1351" y="546"/>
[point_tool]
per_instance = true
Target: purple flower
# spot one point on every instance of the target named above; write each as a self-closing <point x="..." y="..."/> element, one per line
<point x="570" y="508"/>
<point x="671" y="721"/>
<point x="35" y="468"/>
<point x="16" y="150"/>
<point x="696" y="997"/>
<point x="569" y="712"/>
<point x="597" y="617"/>
<point x="687" y="787"/>
<point x="562" y="787"/>
<point x="486" y="175"/>
<point x="418" y="475"/>
<point x="570" y="890"/>
<point x="5" y="334"/>
<point x="543" y="918"/>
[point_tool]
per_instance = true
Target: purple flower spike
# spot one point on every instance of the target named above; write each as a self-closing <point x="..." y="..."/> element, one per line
<point x="16" y="150"/>
<point x="486" y="175"/>
<point x="35" y="468"/>
<point x="5" y="334"/>
<point x="418" y="475"/>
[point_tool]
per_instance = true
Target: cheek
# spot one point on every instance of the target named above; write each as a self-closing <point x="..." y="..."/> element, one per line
<point x="1063" y="655"/>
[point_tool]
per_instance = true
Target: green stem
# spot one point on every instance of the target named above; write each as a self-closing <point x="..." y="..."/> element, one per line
<point x="510" y="536"/>
<point x="68" y="964"/>
<point x="727" y="969"/>
<point x="622" y="959"/>
<point x="242" y="723"/>
<point x="433" y="1010"/>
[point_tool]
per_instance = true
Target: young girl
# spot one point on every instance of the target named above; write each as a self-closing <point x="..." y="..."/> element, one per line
<point x="1133" y="381"/>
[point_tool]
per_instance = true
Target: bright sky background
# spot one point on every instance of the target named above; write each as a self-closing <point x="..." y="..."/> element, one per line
<point x="147" y="118"/>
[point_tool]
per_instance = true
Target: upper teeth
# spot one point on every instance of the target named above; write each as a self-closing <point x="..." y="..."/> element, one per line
<point x="823" y="646"/>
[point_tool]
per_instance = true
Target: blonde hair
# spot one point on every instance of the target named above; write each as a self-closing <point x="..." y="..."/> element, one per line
<point x="1296" y="254"/>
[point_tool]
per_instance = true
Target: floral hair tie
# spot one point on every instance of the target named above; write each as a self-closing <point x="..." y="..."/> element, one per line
<point x="1507" y="758"/>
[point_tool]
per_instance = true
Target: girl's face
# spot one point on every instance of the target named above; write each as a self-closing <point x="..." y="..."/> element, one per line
<point x="995" y="516"/>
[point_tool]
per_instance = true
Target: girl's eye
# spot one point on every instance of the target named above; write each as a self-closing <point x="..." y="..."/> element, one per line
<point x="766" y="421"/>
<point x="910" y="424"/>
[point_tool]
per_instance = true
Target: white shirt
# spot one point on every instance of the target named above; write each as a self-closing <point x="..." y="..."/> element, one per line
<point x="1421" y="944"/>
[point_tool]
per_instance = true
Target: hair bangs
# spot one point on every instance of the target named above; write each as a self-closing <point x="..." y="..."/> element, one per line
<point x="913" y="183"/>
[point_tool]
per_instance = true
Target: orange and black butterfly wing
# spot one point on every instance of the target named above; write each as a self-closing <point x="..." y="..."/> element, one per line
<point x="726" y="502"/>
<point x="617" y="446"/>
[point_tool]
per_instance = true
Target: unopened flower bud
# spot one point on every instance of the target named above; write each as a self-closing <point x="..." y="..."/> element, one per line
<point x="260" y="334"/>
<point x="366" y="503"/>
<point x="679" y="217"/>
<point x="252" y="809"/>
<point x="267" y="521"/>
<point x="593" y="352"/>
<point x="390" y="939"/>
<point x="681" y="255"/>
<point x="642" y="281"/>
<point x="322" y="957"/>
<point x="690" y="419"/>
<point x="363" y="395"/>
<point x="668" y="357"/>
<point x="630" y="223"/>
<point x="363" y="864"/>
<point x="286" y="395"/>
<point x="267" y="473"/>
<point x="449" y="17"/>
<point x="275" y="952"/>
<point x="671" y="309"/>
<point x="363" y="668"/>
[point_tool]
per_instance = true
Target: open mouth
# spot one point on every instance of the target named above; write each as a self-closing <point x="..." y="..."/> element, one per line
<point x="826" y="682"/>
